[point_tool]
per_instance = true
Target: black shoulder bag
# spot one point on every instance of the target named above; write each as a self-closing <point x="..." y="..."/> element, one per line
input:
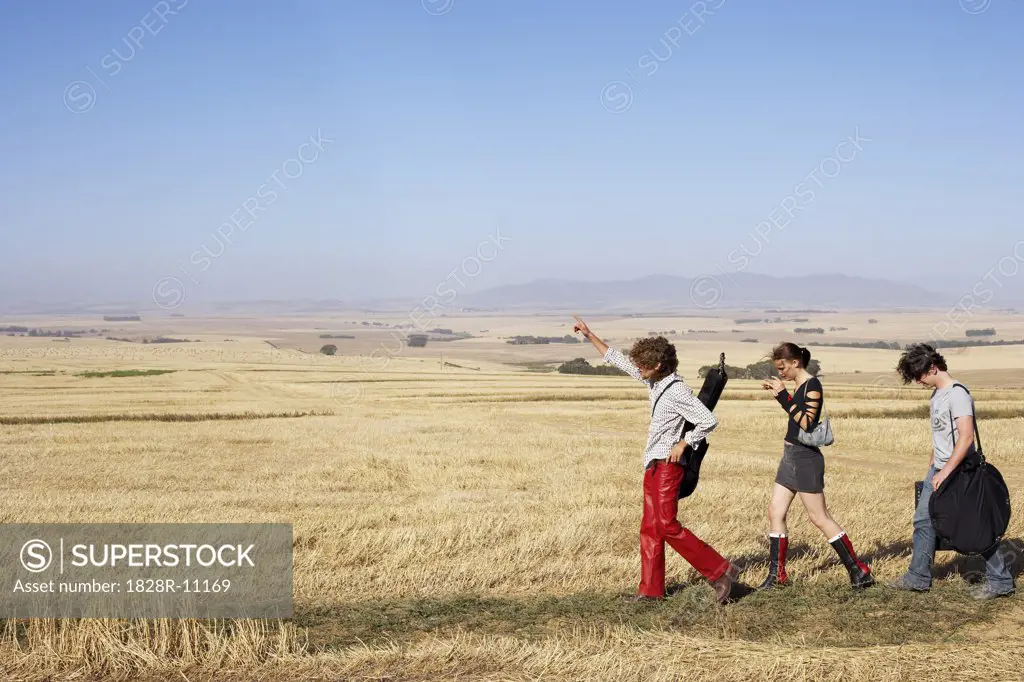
<point x="970" y="511"/>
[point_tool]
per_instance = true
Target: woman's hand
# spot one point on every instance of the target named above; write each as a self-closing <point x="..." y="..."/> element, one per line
<point x="773" y="384"/>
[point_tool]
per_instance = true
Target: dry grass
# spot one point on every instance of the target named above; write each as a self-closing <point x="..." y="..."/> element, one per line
<point x="481" y="524"/>
<point x="166" y="417"/>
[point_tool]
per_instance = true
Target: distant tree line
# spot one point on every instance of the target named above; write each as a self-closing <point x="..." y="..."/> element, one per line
<point x="884" y="345"/>
<point x="540" y="340"/>
<point x="449" y="335"/>
<point x="777" y="320"/>
<point x="57" y="333"/>
<point x="336" y="336"/>
<point x="122" y="318"/>
<point x="939" y="343"/>
<point x="581" y="366"/>
<point x="971" y="344"/>
<point x="810" y="310"/>
<point x="981" y="332"/>
<point x="809" y="330"/>
<point x="761" y="369"/>
<point x="159" y="339"/>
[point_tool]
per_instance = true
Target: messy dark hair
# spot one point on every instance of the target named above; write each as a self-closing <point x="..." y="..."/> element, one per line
<point x="790" y="351"/>
<point x="649" y="352"/>
<point x="917" y="360"/>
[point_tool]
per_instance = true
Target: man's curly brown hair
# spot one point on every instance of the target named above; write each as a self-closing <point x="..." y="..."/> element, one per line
<point x="647" y="353"/>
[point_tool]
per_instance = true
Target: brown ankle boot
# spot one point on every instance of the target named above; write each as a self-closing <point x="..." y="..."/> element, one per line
<point x="723" y="586"/>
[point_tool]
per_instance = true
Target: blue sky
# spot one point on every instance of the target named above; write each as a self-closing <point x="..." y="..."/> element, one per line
<point x="131" y="134"/>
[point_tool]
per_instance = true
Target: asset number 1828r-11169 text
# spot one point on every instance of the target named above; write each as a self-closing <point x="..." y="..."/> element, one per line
<point x="167" y="585"/>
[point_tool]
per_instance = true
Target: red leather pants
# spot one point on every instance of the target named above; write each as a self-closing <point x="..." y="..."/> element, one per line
<point x="659" y="525"/>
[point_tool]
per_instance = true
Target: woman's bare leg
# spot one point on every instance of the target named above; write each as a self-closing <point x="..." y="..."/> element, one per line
<point x="778" y="508"/>
<point x="817" y="512"/>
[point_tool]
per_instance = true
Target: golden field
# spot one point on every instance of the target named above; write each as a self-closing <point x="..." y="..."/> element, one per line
<point x="459" y="514"/>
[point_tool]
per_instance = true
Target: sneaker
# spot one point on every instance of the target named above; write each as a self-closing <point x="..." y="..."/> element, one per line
<point x="640" y="599"/>
<point x="985" y="592"/>
<point x="904" y="584"/>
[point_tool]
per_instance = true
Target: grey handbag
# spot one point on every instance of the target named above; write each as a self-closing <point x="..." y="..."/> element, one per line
<point x="822" y="434"/>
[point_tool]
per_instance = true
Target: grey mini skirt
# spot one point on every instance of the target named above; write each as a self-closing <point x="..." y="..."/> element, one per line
<point x="802" y="469"/>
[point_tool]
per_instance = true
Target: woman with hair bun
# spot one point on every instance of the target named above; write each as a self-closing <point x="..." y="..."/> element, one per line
<point x="802" y="469"/>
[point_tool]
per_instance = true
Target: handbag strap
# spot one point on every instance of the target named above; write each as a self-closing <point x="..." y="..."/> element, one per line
<point x="974" y="418"/>
<point x="822" y="415"/>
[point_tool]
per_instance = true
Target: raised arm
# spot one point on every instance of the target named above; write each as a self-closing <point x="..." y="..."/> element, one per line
<point x="616" y="358"/>
<point x="582" y="328"/>
<point x="610" y="355"/>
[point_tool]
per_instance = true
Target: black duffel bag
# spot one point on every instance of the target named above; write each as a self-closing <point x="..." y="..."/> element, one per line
<point x="970" y="511"/>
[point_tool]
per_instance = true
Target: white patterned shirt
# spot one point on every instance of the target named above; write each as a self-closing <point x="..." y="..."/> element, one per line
<point x="677" y="406"/>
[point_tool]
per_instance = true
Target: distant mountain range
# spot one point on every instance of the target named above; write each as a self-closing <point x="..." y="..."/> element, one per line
<point x="733" y="290"/>
<point x="655" y="293"/>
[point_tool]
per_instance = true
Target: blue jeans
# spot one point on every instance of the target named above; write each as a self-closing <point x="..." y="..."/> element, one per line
<point x="997" y="561"/>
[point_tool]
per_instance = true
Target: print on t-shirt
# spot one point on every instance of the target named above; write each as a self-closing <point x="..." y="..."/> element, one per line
<point x="951" y="400"/>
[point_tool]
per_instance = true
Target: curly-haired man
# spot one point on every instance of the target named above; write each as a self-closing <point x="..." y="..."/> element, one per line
<point x="672" y="404"/>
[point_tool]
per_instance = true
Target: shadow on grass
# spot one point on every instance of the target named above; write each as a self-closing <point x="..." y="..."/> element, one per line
<point x="740" y="590"/>
<point x="972" y="568"/>
<point x="804" y="614"/>
<point x="947" y="564"/>
<point x="893" y="550"/>
<point x="796" y="550"/>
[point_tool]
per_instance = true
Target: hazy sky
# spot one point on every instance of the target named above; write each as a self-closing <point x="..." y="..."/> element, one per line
<point x="602" y="139"/>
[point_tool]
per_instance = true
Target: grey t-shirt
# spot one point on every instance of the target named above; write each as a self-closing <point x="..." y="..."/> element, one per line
<point x="955" y="400"/>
